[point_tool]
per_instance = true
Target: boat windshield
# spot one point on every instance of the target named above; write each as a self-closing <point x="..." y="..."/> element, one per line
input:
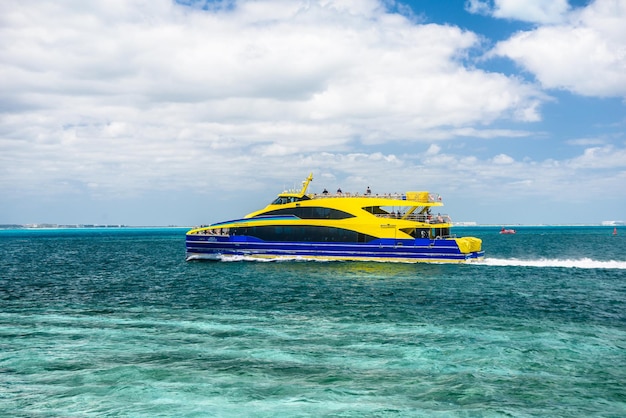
<point x="282" y="200"/>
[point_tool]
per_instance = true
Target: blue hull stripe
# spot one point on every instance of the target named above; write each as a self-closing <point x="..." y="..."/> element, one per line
<point x="422" y="249"/>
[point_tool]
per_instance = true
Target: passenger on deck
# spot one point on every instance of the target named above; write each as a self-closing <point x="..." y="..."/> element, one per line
<point x="339" y="191"/>
<point x="368" y="191"/>
<point x="325" y="192"/>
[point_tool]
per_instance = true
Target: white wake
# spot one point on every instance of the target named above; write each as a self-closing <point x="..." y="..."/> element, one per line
<point x="582" y="263"/>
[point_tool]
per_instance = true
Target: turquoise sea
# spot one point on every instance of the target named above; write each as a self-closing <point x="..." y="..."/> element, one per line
<point x="114" y="323"/>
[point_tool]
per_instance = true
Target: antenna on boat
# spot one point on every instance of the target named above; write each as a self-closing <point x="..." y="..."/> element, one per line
<point x="305" y="183"/>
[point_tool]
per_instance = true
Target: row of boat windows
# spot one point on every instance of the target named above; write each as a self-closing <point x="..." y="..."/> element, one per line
<point x="311" y="212"/>
<point x="427" y="232"/>
<point x="297" y="233"/>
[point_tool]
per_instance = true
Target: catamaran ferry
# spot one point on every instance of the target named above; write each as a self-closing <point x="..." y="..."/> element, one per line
<point x="338" y="226"/>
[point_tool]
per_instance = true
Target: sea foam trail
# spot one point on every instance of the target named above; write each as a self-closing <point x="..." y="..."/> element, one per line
<point x="583" y="263"/>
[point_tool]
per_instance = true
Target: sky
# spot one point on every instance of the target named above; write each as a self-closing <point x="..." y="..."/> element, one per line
<point x="188" y="112"/>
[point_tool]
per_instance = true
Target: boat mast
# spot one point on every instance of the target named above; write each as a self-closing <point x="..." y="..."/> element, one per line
<point x="305" y="184"/>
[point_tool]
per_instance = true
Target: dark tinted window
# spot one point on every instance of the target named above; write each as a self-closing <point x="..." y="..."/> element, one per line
<point x="292" y="233"/>
<point x="311" y="212"/>
<point x="282" y="200"/>
<point x="376" y="210"/>
<point x="417" y="232"/>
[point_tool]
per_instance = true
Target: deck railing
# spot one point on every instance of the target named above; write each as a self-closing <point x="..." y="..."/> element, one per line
<point x="432" y="197"/>
<point x="429" y="219"/>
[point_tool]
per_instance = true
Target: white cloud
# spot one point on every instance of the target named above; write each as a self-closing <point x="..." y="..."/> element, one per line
<point x="117" y="98"/>
<point x="433" y="150"/>
<point x="586" y="54"/>
<point x="602" y="158"/>
<point x="478" y="7"/>
<point x="136" y="95"/>
<point x="503" y="159"/>
<point x="535" y="11"/>
<point x="538" y="11"/>
<point x="586" y="141"/>
<point x="468" y="176"/>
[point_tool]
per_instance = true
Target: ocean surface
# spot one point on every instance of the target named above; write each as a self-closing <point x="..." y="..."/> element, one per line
<point x="115" y="323"/>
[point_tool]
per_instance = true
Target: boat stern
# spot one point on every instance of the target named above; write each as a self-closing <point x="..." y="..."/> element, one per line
<point x="471" y="247"/>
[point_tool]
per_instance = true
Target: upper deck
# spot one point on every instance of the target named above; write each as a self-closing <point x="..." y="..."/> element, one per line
<point x="401" y="206"/>
<point x="420" y="197"/>
<point x="413" y="197"/>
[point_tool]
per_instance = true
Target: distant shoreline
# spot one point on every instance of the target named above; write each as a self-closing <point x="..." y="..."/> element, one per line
<point x="607" y="224"/>
<point x="87" y="226"/>
<point x="616" y="223"/>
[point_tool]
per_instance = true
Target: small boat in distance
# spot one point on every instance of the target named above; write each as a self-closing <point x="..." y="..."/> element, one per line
<point x="506" y="231"/>
<point x="338" y="226"/>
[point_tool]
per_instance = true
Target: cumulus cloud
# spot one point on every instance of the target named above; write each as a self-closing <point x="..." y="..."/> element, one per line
<point x="465" y="176"/>
<point x="565" y="180"/>
<point x="602" y="158"/>
<point x="585" y="53"/>
<point x="478" y="7"/>
<point x="134" y="94"/>
<point x="503" y="159"/>
<point x="535" y="11"/>
<point x="433" y="149"/>
<point x="117" y="98"/>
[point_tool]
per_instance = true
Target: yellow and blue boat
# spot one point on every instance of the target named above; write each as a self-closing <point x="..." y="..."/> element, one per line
<point x="338" y="226"/>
